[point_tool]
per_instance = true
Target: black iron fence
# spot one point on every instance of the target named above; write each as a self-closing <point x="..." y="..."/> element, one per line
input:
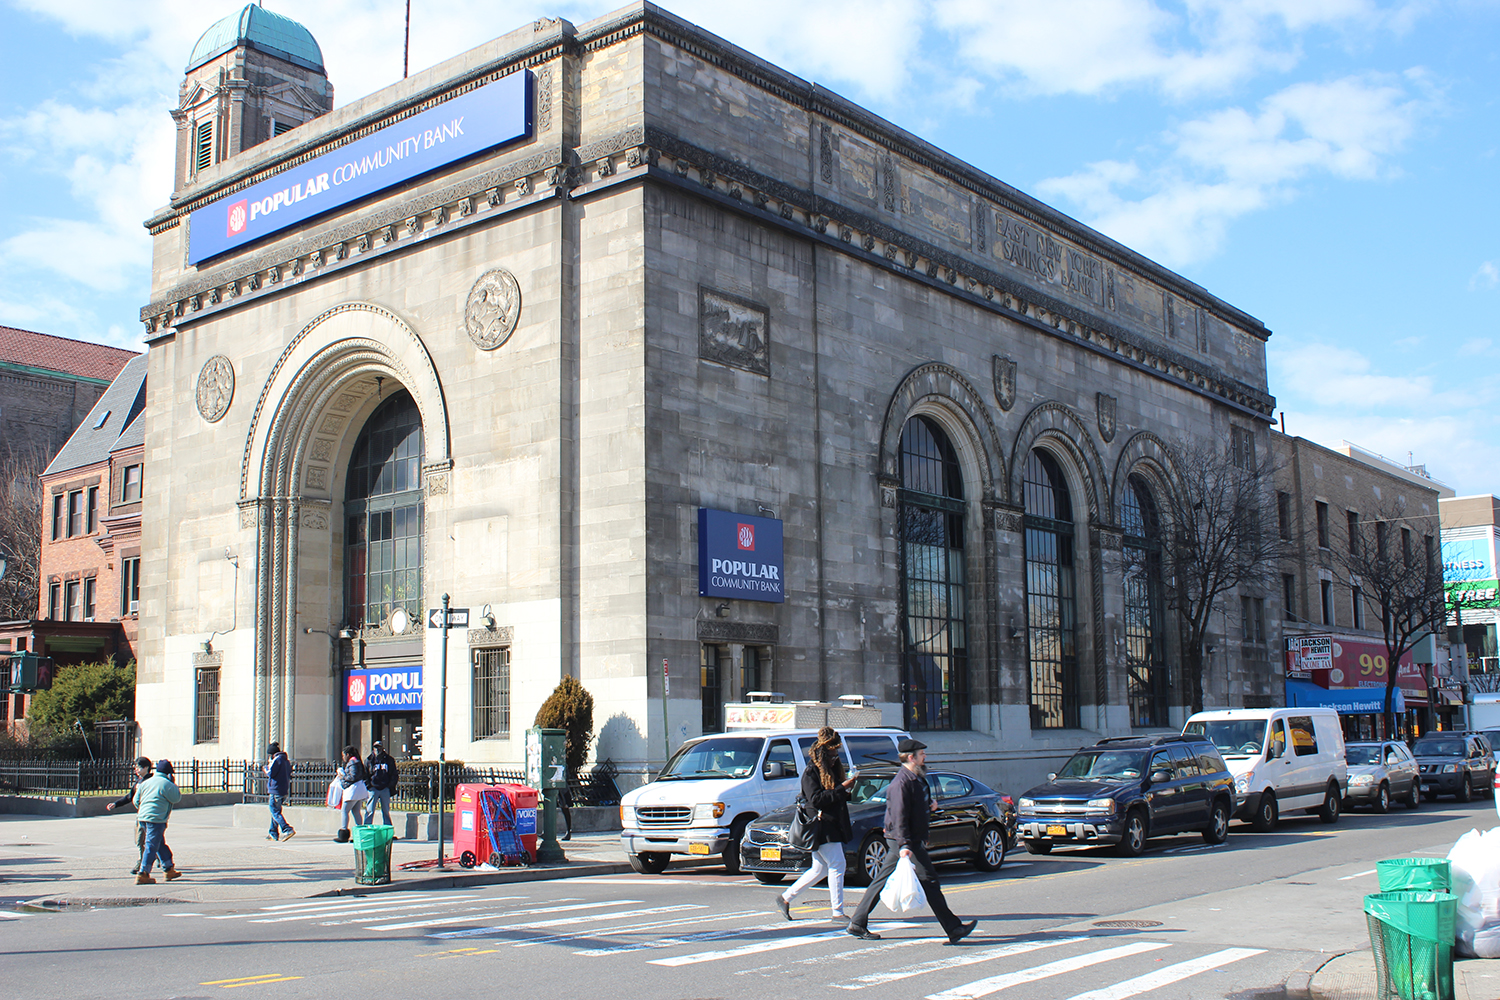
<point x="416" y="790"/>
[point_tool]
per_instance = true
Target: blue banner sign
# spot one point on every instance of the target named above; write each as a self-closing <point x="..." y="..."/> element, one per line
<point x="740" y="556"/>
<point x="493" y="115"/>
<point x="384" y="689"/>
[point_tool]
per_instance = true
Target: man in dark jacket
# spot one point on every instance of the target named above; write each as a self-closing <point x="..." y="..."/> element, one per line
<point x="908" y="805"/>
<point x="382" y="782"/>
<point x="143" y="769"/>
<point x="279" y="773"/>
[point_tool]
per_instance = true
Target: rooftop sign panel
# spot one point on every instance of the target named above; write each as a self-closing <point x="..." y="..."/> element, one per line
<point x="494" y="115"/>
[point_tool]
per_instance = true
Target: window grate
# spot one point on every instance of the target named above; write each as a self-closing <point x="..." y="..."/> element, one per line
<point x="492" y="694"/>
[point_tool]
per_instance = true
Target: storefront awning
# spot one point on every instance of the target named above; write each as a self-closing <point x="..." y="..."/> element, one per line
<point x="1348" y="701"/>
<point x="1448" y="696"/>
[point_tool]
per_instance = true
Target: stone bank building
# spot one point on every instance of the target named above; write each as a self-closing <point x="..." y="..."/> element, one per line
<point x="686" y="377"/>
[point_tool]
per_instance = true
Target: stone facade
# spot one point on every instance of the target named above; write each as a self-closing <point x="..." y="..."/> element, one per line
<point x="734" y="290"/>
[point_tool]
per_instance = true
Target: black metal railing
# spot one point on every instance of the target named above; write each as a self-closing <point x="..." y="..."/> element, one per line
<point x="105" y="777"/>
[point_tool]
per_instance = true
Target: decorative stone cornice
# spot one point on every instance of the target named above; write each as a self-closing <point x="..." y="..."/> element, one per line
<point x="754" y="633"/>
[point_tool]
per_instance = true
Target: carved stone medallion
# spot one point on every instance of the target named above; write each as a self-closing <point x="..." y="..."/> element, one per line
<point x="215" y="388"/>
<point x="733" y="331"/>
<point x="1005" y="382"/>
<point x="493" y="309"/>
<point x="1106" y="406"/>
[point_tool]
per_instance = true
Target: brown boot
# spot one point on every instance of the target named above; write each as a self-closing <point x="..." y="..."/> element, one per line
<point x="173" y="873"/>
<point x="144" y="879"/>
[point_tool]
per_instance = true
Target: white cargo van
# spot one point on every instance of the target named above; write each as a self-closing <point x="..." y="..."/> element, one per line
<point x="714" y="785"/>
<point x="1281" y="759"/>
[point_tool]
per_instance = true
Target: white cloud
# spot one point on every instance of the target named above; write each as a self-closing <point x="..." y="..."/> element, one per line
<point x="1324" y="375"/>
<point x="1235" y="161"/>
<point x="1459" y="449"/>
<point x="1488" y="276"/>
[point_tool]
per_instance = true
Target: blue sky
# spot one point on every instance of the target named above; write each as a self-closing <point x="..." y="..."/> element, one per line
<point x="1328" y="166"/>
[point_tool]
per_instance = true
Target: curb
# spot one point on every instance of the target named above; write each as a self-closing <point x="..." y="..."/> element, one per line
<point x="457" y="881"/>
<point x="1298" y="985"/>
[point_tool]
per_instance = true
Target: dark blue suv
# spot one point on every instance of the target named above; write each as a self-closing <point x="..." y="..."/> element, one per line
<point x="1128" y="789"/>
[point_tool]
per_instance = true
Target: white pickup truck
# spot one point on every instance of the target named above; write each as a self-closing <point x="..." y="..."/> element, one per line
<point x="714" y="785"/>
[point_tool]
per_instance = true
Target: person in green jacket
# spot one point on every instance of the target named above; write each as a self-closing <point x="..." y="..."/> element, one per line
<point x="154" y="799"/>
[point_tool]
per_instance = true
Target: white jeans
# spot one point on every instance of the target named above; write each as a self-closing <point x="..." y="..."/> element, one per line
<point x="826" y="860"/>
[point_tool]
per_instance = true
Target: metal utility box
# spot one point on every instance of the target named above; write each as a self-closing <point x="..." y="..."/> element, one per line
<point x="547" y="758"/>
<point x="771" y="710"/>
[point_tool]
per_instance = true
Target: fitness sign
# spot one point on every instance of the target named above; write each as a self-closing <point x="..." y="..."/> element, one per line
<point x="383" y="689"/>
<point x="493" y="115"/>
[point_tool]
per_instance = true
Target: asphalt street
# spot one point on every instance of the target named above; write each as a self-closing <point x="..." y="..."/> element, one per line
<point x="1184" y="921"/>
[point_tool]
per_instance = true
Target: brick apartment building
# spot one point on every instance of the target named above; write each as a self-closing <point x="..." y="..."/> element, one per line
<point x="91" y="538"/>
<point x="47" y="384"/>
<point x="1328" y="500"/>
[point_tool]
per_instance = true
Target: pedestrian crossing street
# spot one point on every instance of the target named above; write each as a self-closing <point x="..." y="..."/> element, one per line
<point x="742" y="941"/>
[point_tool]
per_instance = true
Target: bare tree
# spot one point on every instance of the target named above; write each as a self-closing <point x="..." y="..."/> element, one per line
<point x="1219" y="537"/>
<point x="20" y="532"/>
<point x="1395" y="566"/>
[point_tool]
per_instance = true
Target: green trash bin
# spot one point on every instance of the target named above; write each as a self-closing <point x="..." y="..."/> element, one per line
<point x="1411" y="934"/>
<point x="1418" y="874"/>
<point x="372" y="854"/>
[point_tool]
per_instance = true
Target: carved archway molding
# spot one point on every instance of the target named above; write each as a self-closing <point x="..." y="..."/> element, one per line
<point x="1059" y="429"/>
<point x="942" y="391"/>
<point x="1149" y="456"/>
<point x="311" y="391"/>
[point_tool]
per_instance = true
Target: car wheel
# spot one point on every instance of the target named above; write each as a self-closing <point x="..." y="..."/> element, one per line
<point x="991" y="853"/>
<point x="1133" y="843"/>
<point x="1266" y="814"/>
<point x="1217" y="830"/>
<point x="1383" y="799"/>
<point x="649" y="862"/>
<point x="1414" y="795"/>
<point x="1038" y="847"/>
<point x="1330" y="811"/>
<point x="732" y="849"/>
<point x="871" y="857"/>
<point x="770" y="878"/>
<point x="1465" y="790"/>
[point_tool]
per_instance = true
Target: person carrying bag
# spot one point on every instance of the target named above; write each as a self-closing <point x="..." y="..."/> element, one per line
<point x="354" y="791"/>
<point x="823" y="808"/>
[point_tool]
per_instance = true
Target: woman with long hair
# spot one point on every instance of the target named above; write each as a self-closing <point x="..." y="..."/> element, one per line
<point x="825" y="791"/>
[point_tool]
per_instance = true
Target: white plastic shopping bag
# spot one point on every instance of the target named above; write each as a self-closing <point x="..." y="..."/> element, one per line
<point x="335" y="794"/>
<point x="357" y="792"/>
<point x="1475" y="862"/>
<point x="903" y="891"/>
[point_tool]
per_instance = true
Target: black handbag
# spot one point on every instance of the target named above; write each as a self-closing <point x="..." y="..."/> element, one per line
<point x="800" y="834"/>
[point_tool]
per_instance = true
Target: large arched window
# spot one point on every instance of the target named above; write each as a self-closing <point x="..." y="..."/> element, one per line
<point x="1145" y="658"/>
<point x="934" y="637"/>
<point x="383" y="516"/>
<point x="1051" y="606"/>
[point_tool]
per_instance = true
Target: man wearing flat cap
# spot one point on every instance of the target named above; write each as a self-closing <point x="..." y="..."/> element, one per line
<point x="908" y="805"/>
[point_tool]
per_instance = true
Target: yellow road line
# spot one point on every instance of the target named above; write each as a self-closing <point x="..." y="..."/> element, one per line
<point x="267" y="977"/>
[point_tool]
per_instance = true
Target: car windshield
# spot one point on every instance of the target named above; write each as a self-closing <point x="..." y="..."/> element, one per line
<point x="1105" y="765"/>
<point x="1233" y="737"/>
<point x="1438" y="748"/>
<point x="1358" y="755"/>
<point x="724" y="757"/>
<point x="869" y="789"/>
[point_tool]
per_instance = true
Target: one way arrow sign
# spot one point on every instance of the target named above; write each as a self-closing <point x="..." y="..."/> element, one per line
<point x="457" y="618"/>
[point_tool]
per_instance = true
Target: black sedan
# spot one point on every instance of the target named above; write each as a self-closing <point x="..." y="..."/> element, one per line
<point x="971" y="822"/>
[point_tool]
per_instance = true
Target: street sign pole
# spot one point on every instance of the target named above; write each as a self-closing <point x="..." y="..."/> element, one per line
<point x="666" y="692"/>
<point x="442" y="728"/>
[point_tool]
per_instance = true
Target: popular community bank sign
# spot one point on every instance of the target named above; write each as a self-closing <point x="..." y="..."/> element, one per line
<point x="740" y="556"/>
<point x="493" y="115"/>
<point x="383" y="689"/>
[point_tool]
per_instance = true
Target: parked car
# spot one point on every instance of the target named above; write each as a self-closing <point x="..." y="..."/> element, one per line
<point x="972" y="822"/>
<point x="1281" y="758"/>
<point x="1457" y="764"/>
<point x="1380" y="772"/>
<point x="714" y="786"/>
<point x="1127" y="789"/>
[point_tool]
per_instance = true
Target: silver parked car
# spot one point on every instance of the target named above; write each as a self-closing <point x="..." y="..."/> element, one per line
<point x="1380" y="772"/>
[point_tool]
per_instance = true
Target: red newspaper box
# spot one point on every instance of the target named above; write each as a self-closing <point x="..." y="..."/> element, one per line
<point x="494" y="824"/>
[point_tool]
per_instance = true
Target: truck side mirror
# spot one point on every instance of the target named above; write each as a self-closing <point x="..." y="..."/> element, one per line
<point x="1160" y="776"/>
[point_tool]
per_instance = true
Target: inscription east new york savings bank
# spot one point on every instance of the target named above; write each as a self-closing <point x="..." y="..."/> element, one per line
<point x="1039" y="254"/>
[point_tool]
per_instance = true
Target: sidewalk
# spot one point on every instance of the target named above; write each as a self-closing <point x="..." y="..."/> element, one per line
<point x="1352" y="977"/>
<point x="87" y="860"/>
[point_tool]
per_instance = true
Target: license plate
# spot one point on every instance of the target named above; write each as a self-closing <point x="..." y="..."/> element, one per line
<point x="1057" y="831"/>
<point x="770" y="854"/>
<point x="697" y="848"/>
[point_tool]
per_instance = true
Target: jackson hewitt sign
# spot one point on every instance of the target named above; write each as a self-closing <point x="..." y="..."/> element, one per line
<point x="493" y="115"/>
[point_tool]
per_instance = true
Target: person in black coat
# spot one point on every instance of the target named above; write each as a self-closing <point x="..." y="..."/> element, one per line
<point x="825" y="792"/>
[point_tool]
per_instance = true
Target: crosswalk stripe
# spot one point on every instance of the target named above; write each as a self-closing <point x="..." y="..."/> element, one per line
<point x="673" y="942"/>
<point x="1168" y="975"/>
<point x="539" y="924"/>
<point x="994" y="984"/>
<point x="311" y="912"/>
<point x="342" y="901"/>
<point x="383" y="911"/>
<point x="654" y="925"/>
<point x="968" y="958"/>
<point x="774" y="944"/>
<point x="502" y="914"/>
